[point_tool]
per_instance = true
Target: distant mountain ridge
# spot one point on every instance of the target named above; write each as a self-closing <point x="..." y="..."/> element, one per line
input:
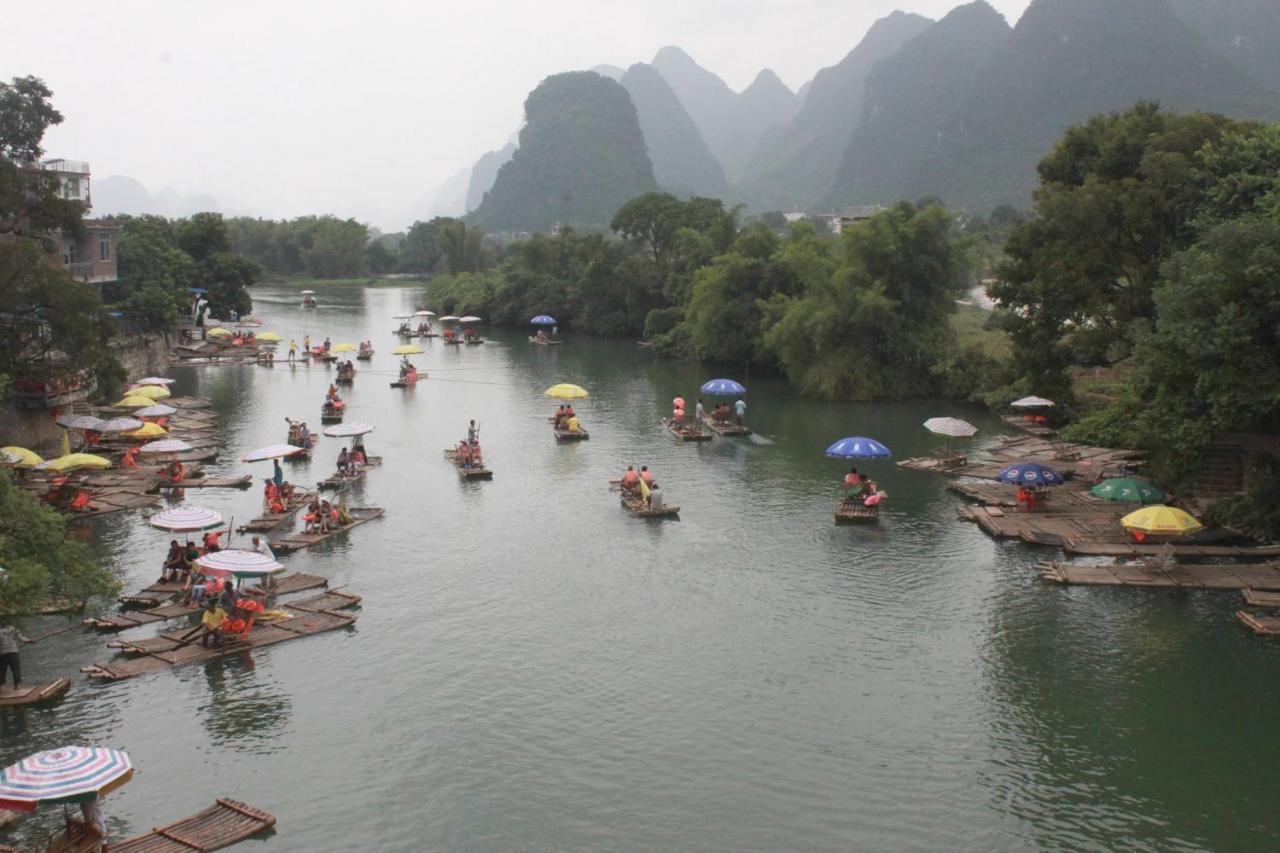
<point x="682" y="163"/>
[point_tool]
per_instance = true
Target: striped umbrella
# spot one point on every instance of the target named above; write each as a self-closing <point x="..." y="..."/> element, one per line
<point x="159" y="410"/>
<point x="165" y="445"/>
<point x="120" y="424"/>
<point x="407" y="349"/>
<point x="565" y="391"/>
<point x="347" y="430"/>
<point x="950" y="427"/>
<point x="186" y="519"/>
<point x="135" y="401"/>
<point x="80" y="422"/>
<point x="274" y="451"/>
<point x="240" y="564"/>
<point x="858" y="447"/>
<point x="72" y="774"/>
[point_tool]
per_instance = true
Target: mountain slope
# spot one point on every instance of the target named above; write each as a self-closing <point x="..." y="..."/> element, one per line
<point x="681" y="160"/>
<point x="1247" y="32"/>
<point x="765" y="105"/>
<point x="581" y="157"/>
<point x="898" y="149"/>
<point x="485" y="172"/>
<point x="795" y="164"/>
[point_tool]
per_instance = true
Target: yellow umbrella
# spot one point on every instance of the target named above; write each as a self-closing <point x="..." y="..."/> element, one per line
<point x="74" y="462"/>
<point x="134" y="401"/>
<point x="151" y="392"/>
<point x="407" y="349"/>
<point x="26" y="458"/>
<point x="1161" y="519"/>
<point x="343" y="348"/>
<point x="148" y="430"/>
<point x="218" y="332"/>
<point x="268" y="337"/>
<point x="565" y="391"/>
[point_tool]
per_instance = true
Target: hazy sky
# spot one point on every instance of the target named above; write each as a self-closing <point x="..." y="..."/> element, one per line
<point x="284" y="107"/>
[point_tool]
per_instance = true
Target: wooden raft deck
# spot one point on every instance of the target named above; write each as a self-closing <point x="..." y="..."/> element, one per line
<point x="301" y="541"/>
<point x="1257" y="598"/>
<point x="689" y="431"/>
<point x="224" y="823"/>
<point x="337" y="480"/>
<point x="635" y="506"/>
<point x="725" y="429"/>
<point x="563" y="435"/>
<point x="211" y="483"/>
<point x="1265" y="576"/>
<point x="34" y="694"/>
<point x="157" y="653"/>
<point x="287" y="585"/>
<point x="1108" y="549"/>
<point x="272" y="520"/>
<point x="855" y="512"/>
<point x="1259" y="623"/>
<point x="476" y="472"/>
<point x="149" y="596"/>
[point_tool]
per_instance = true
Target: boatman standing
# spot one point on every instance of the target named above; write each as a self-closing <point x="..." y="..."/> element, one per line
<point x="10" y="661"/>
<point x="740" y="409"/>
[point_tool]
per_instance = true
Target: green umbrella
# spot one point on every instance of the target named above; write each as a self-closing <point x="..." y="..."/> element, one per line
<point x="1127" y="489"/>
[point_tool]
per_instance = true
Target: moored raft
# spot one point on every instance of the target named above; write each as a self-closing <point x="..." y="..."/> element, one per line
<point x="224" y="823"/>
<point x="34" y="694"/>
<point x="1257" y="576"/>
<point x="565" y="434"/>
<point x="210" y="483"/>
<point x="686" y="431"/>
<point x="271" y="520"/>
<point x="475" y="472"/>
<point x="635" y="505"/>
<point x="857" y="512"/>
<point x="285" y="585"/>
<point x="725" y="429"/>
<point x="301" y="541"/>
<point x="337" y="479"/>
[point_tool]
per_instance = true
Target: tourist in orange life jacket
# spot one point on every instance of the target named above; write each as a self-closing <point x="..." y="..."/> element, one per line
<point x="645" y="474"/>
<point x="130" y="458"/>
<point x="851" y="479"/>
<point x="175" y="471"/>
<point x="211" y="542"/>
<point x="630" y="479"/>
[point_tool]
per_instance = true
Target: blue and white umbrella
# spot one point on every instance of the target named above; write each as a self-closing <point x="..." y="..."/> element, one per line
<point x="1030" y="474"/>
<point x="186" y="519"/>
<point x="543" y="320"/>
<point x="722" y="387"/>
<point x="858" y="447"/>
<point x="240" y="564"/>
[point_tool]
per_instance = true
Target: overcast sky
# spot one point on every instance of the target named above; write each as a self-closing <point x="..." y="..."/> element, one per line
<point x="285" y="107"/>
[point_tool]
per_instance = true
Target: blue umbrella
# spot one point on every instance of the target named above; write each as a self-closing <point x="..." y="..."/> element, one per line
<point x="543" y="320"/>
<point x="857" y="447"/>
<point x="1030" y="474"/>
<point x="723" y="387"/>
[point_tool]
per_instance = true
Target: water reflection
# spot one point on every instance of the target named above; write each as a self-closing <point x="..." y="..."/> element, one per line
<point x="245" y="711"/>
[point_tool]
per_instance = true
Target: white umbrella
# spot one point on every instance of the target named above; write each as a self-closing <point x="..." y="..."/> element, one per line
<point x="308" y="292"/>
<point x="186" y="519"/>
<point x="448" y="318"/>
<point x="424" y="313"/>
<point x="121" y="425"/>
<point x="241" y="564"/>
<point x="275" y="451"/>
<point x="159" y="410"/>
<point x="155" y="380"/>
<point x="469" y="319"/>
<point x="80" y="422"/>
<point x="950" y="427"/>
<point x="1032" y="403"/>
<point x="348" y="430"/>
<point x="165" y="445"/>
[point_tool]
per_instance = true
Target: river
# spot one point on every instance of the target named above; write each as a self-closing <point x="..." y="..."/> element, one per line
<point x="533" y="669"/>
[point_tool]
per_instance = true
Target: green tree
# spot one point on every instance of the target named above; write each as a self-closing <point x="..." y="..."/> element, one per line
<point x="154" y="274"/>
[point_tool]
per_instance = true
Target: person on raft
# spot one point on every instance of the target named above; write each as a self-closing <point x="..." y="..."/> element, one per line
<point x="10" y="659"/>
<point x="359" y="456"/>
<point x="558" y="418"/>
<point x="211" y="621"/>
<point x="655" y="498"/>
<point x="327" y="344"/>
<point x="630" y="480"/>
<point x="344" y="462"/>
<point x="174" y="563"/>
<point x="571" y="423"/>
<point x="332" y="393"/>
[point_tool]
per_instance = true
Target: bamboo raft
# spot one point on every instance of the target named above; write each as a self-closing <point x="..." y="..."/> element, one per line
<point x="635" y="506"/>
<point x="210" y="483"/>
<point x="1258" y="623"/>
<point x="1108" y="549"/>
<point x="1265" y="576"/>
<point x="1029" y="427"/>
<point x="473" y="342"/>
<point x="1258" y="598"/>
<point x="725" y="429"/>
<point x="302" y="541"/>
<point x="546" y="342"/>
<point x="409" y="333"/>
<point x="35" y="694"/>
<point x="271" y="520"/>
<point x="285" y="585"/>
<point x="224" y="823"/>
<point x="160" y="592"/>
<point x="477" y="472"/>
<point x="565" y="435"/>
<point x="686" y="433"/>
<point x="337" y="480"/>
<point x="178" y="649"/>
<point x="856" y="512"/>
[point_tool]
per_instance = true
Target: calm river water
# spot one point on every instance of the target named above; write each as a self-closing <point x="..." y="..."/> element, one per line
<point x="532" y="669"/>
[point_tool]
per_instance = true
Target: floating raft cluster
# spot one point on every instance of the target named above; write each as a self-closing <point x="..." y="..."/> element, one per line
<point x="286" y="585"/>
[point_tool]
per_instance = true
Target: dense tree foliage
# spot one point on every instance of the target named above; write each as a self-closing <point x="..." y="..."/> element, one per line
<point x="315" y="246"/>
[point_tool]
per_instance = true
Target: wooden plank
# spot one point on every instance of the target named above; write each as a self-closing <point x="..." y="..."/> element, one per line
<point x="299" y="541"/>
<point x="1258" y="598"/>
<point x="45" y="691"/>
<point x="475" y="472"/>
<point x="1178" y="576"/>
<point x="224" y="823"/>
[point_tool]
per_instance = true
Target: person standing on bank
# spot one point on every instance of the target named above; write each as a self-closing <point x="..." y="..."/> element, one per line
<point x="10" y="636"/>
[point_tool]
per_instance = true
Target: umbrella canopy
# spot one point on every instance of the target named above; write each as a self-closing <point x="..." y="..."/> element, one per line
<point x="151" y="392"/>
<point x="347" y="430"/>
<point x="167" y="445"/>
<point x="1030" y="474"/>
<point x="1032" y="403"/>
<point x="950" y="427"/>
<point x="468" y="319"/>
<point x="543" y="320"/>
<point x="268" y="338"/>
<point x="722" y="387"/>
<point x="20" y="457"/>
<point x="307" y="292"/>
<point x="148" y="431"/>
<point x="565" y="391"/>
<point x="448" y="318"/>
<point x="80" y="422"/>
<point x="218" y="332"/>
<point x="134" y="401"/>
<point x="186" y="519"/>
<point x="159" y="410"/>
<point x="240" y="564"/>
<point x="402" y="317"/>
<point x="72" y="774"/>
<point x="343" y="348"/>
<point x="407" y="349"/>
<point x="424" y="313"/>
<point x="1128" y="489"/>
<point x="1161" y="519"/>
<point x="274" y="451"/>
<point x="858" y="447"/>
<point x="155" y="380"/>
<point x="74" y="462"/>
<point x="121" y="424"/>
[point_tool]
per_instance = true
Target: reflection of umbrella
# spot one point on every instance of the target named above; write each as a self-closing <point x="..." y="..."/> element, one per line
<point x="72" y="774"/>
<point x="424" y="313"/>
<point x="857" y="447"/>
<point x="134" y="401"/>
<point x="343" y="348"/>
<point x="159" y="410"/>
<point x="121" y="424"/>
<point x="722" y="387"/>
<point x="468" y="319"/>
<point x="1032" y="403"/>
<point x="22" y="457"/>
<point x="167" y="445"/>
<point x="80" y="422"/>
<point x="448" y="318"/>
<point x="565" y="391"/>
<point x="1030" y="474"/>
<point x="74" y="462"/>
<point x="147" y="430"/>
<point x="348" y="430"/>
<point x="151" y="392"/>
<point x="155" y="380"/>
<point x="268" y="338"/>
<point x="1161" y="519"/>
<point x="240" y="564"/>
<point x="543" y="320"/>
<point x="275" y="451"/>
<point x="186" y="519"/>
<point x="407" y="349"/>
<point x="1128" y="489"/>
<point x="950" y="427"/>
